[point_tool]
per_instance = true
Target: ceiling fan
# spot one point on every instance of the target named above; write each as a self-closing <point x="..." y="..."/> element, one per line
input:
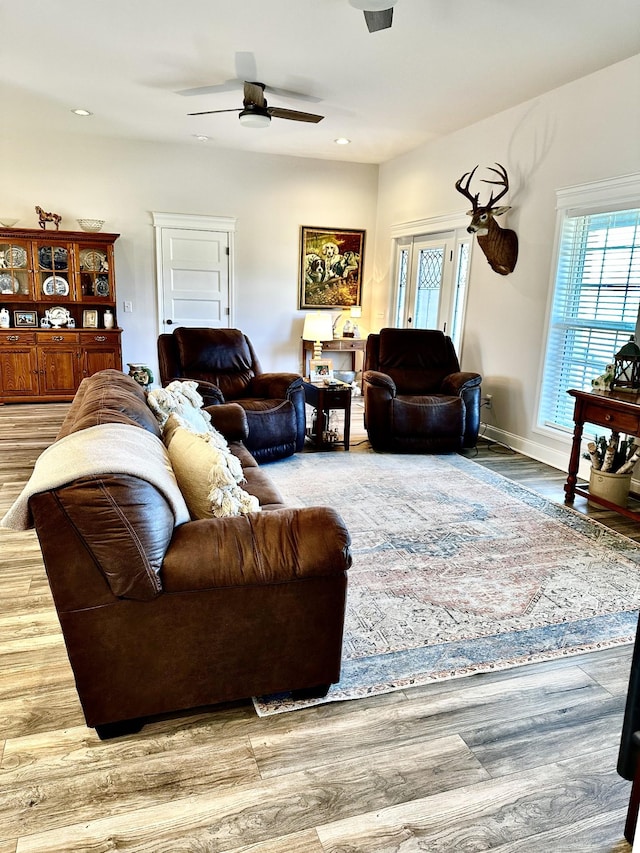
<point x="378" y="14"/>
<point x="255" y="111"/>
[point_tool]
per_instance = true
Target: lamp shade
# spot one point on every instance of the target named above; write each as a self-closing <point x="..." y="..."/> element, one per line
<point x="317" y="327"/>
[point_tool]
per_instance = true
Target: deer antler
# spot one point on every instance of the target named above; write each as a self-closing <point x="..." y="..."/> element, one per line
<point x="465" y="189"/>
<point x="504" y="182"/>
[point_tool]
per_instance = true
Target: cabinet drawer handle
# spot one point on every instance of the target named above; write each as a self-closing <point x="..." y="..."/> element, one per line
<point x="100" y="338"/>
<point x="57" y="338"/>
<point x="608" y="418"/>
<point x="13" y="337"/>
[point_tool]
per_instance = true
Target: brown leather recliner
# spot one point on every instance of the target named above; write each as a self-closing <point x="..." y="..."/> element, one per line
<point x="227" y="369"/>
<point x="416" y="398"/>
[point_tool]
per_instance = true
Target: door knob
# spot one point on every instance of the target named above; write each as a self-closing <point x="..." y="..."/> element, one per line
<point x="169" y="322"/>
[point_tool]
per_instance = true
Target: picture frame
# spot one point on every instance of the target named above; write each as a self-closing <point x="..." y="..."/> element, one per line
<point x="90" y="318"/>
<point x="319" y="370"/>
<point x="331" y="264"/>
<point x="25" y="318"/>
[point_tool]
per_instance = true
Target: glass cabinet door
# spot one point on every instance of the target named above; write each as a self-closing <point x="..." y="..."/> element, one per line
<point x="53" y="271"/>
<point x="15" y="268"/>
<point x="93" y="263"/>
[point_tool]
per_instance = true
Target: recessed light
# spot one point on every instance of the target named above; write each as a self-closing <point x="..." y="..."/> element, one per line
<point x="342" y="140"/>
<point x="200" y="137"/>
<point x="81" y="112"/>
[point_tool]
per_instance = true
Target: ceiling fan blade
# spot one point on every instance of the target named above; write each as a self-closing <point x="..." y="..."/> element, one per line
<point x="378" y="20"/>
<point x="254" y="94"/>
<point x="293" y="115"/>
<point x="227" y="86"/>
<point x="211" y="112"/>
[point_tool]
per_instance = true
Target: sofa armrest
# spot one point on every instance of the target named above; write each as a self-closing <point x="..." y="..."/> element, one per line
<point x="376" y="379"/>
<point x="274" y="547"/>
<point x="230" y="419"/>
<point x="275" y="386"/>
<point x="456" y="383"/>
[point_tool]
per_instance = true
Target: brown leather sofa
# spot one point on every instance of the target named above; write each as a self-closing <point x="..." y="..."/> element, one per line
<point x="416" y="398"/>
<point x="226" y="367"/>
<point x="158" y="618"/>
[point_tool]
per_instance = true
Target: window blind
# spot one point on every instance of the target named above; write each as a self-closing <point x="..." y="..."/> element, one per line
<point x="595" y="306"/>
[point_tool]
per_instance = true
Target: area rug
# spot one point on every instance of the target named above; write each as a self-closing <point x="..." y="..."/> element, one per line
<point x="458" y="570"/>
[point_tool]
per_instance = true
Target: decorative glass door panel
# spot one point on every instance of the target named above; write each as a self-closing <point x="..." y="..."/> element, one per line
<point x="15" y="269"/>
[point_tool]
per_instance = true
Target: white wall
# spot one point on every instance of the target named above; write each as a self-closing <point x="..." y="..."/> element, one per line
<point x="122" y="182"/>
<point x="585" y="131"/>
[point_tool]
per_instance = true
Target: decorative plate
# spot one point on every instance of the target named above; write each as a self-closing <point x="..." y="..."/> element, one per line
<point x="92" y="260"/>
<point x="16" y="257"/>
<point x="53" y="258"/>
<point x="58" y="316"/>
<point x="8" y="283"/>
<point x="55" y="285"/>
<point x="101" y="285"/>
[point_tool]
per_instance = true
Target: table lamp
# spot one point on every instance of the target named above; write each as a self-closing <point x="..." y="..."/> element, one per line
<point x="317" y="328"/>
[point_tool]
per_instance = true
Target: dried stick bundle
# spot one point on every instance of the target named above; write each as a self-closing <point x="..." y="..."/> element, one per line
<point x="610" y="452"/>
<point x="631" y="461"/>
<point x="593" y="455"/>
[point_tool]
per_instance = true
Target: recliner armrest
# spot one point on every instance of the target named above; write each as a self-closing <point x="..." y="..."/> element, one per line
<point x="457" y="383"/>
<point x="230" y="419"/>
<point x="380" y="380"/>
<point x="274" y="386"/>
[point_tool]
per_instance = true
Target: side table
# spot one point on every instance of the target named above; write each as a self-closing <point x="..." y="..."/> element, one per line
<point x="620" y="412"/>
<point x="324" y="398"/>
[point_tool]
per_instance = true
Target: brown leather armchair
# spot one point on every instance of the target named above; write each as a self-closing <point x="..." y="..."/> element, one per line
<point x="225" y="365"/>
<point x="416" y="398"/>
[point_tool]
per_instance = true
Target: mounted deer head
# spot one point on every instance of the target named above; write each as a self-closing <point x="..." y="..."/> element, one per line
<point x="500" y="245"/>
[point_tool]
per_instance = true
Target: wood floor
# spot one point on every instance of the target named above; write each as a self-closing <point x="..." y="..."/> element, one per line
<point x="517" y="762"/>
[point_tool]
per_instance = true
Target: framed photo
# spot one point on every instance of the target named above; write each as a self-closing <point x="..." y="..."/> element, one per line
<point x="90" y="318"/>
<point x="330" y="267"/>
<point x="320" y="369"/>
<point x="25" y="318"/>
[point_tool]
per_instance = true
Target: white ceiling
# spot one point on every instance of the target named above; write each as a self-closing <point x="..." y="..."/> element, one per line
<point x="443" y="65"/>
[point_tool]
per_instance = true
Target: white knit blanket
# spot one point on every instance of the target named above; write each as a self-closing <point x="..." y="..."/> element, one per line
<point x="94" y="452"/>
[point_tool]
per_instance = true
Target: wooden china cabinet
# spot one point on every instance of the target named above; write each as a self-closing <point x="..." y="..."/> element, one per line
<point x="57" y="287"/>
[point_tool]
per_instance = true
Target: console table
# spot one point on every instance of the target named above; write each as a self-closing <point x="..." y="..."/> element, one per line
<point x="349" y="345"/>
<point x="618" y="411"/>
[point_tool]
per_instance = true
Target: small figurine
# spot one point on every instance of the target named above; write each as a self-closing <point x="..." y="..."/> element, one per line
<point x="603" y="382"/>
<point x="44" y="217"/>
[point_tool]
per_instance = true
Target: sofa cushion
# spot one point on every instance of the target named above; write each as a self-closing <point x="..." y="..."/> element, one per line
<point x="207" y="475"/>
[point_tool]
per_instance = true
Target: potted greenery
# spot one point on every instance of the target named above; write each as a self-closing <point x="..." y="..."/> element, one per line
<point x="612" y="463"/>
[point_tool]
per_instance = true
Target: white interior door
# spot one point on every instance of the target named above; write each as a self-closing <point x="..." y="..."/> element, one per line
<point x="194" y="258"/>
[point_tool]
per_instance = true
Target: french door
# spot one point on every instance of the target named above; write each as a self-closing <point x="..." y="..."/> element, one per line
<point x="431" y="283"/>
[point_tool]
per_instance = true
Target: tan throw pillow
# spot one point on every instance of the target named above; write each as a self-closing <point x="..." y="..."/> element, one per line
<point x="205" y="477"/>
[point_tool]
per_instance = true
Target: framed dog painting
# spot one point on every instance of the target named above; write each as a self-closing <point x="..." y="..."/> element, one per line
<point x="330" y="267"/>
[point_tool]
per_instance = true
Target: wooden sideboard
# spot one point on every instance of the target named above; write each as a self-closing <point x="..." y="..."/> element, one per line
<point x="618" y="411"/>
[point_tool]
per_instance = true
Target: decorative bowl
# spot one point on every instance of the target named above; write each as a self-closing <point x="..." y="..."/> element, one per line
<point x="8" y="223"/>
<point x="91" y="224"/>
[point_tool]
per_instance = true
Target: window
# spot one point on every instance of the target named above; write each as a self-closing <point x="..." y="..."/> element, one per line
<point x="595" y="304"/>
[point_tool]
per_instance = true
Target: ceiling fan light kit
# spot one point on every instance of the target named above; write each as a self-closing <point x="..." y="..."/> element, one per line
<point x="251" y="116"/>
